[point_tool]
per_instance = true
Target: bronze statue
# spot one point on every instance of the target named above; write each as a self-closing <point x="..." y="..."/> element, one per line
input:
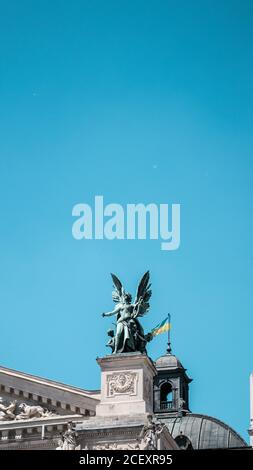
<point x="129" y="336"/>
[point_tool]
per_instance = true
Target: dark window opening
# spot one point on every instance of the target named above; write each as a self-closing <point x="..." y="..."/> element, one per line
<point x="183" y="442"/>
<point x="11" y="434"/>
<point x="166" y="396"/>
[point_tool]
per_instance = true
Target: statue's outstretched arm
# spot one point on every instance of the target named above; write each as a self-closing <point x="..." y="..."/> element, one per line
<point x="114" y="312"/>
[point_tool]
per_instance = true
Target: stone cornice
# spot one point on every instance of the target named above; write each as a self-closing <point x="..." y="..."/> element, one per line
<point x="131" y="360"/>
<point x="49" y="383"/>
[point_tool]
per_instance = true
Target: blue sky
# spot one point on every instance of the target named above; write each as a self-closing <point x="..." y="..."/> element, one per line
<point x="144" y="101"/>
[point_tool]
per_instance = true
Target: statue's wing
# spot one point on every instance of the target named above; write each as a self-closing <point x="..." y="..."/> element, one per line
<point x="117" y="293"/>
<point x="143" y="295"/>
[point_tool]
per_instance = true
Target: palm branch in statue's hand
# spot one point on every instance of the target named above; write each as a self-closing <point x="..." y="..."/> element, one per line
<point x="143" y="294"/>
<point x="118" y="289"/>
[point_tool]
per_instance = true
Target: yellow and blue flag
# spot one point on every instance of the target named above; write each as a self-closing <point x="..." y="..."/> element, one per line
<point x="162" y="327"/>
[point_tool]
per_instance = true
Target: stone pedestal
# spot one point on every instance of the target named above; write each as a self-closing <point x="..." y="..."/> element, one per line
<point x="126" y="385"/>
<point x="125" y="407"/>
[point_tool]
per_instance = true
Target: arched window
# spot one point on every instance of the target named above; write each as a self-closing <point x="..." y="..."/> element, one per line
<point x="166" y="396"/>
<point x="183" y="442"/>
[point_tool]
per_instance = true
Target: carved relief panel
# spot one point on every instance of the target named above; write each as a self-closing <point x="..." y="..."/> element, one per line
<point x="122" y="383"/>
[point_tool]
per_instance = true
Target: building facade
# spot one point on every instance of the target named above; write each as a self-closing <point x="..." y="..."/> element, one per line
<point x="141" y="403"/>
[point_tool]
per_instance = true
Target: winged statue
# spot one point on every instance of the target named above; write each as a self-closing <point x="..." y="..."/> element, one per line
<point x="129" y="335"/>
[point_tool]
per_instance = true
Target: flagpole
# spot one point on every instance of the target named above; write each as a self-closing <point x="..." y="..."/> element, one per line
<point x="169" y="342"/>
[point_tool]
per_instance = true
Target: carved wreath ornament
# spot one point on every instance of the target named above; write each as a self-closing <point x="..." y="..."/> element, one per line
<point x="122" y="383"/>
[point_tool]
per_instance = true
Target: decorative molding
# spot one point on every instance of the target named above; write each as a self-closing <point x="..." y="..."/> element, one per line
<point x="113" y="446"/>
<point x="112" y="433"/>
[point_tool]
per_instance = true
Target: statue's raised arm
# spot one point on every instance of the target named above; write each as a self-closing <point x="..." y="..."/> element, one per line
<point x="113" y="312"/>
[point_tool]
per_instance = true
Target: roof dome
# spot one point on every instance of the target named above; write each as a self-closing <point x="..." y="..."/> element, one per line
<point x="203" y="432"/>
<point x="168" y="361"/>
<point x="171" y="406"/>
